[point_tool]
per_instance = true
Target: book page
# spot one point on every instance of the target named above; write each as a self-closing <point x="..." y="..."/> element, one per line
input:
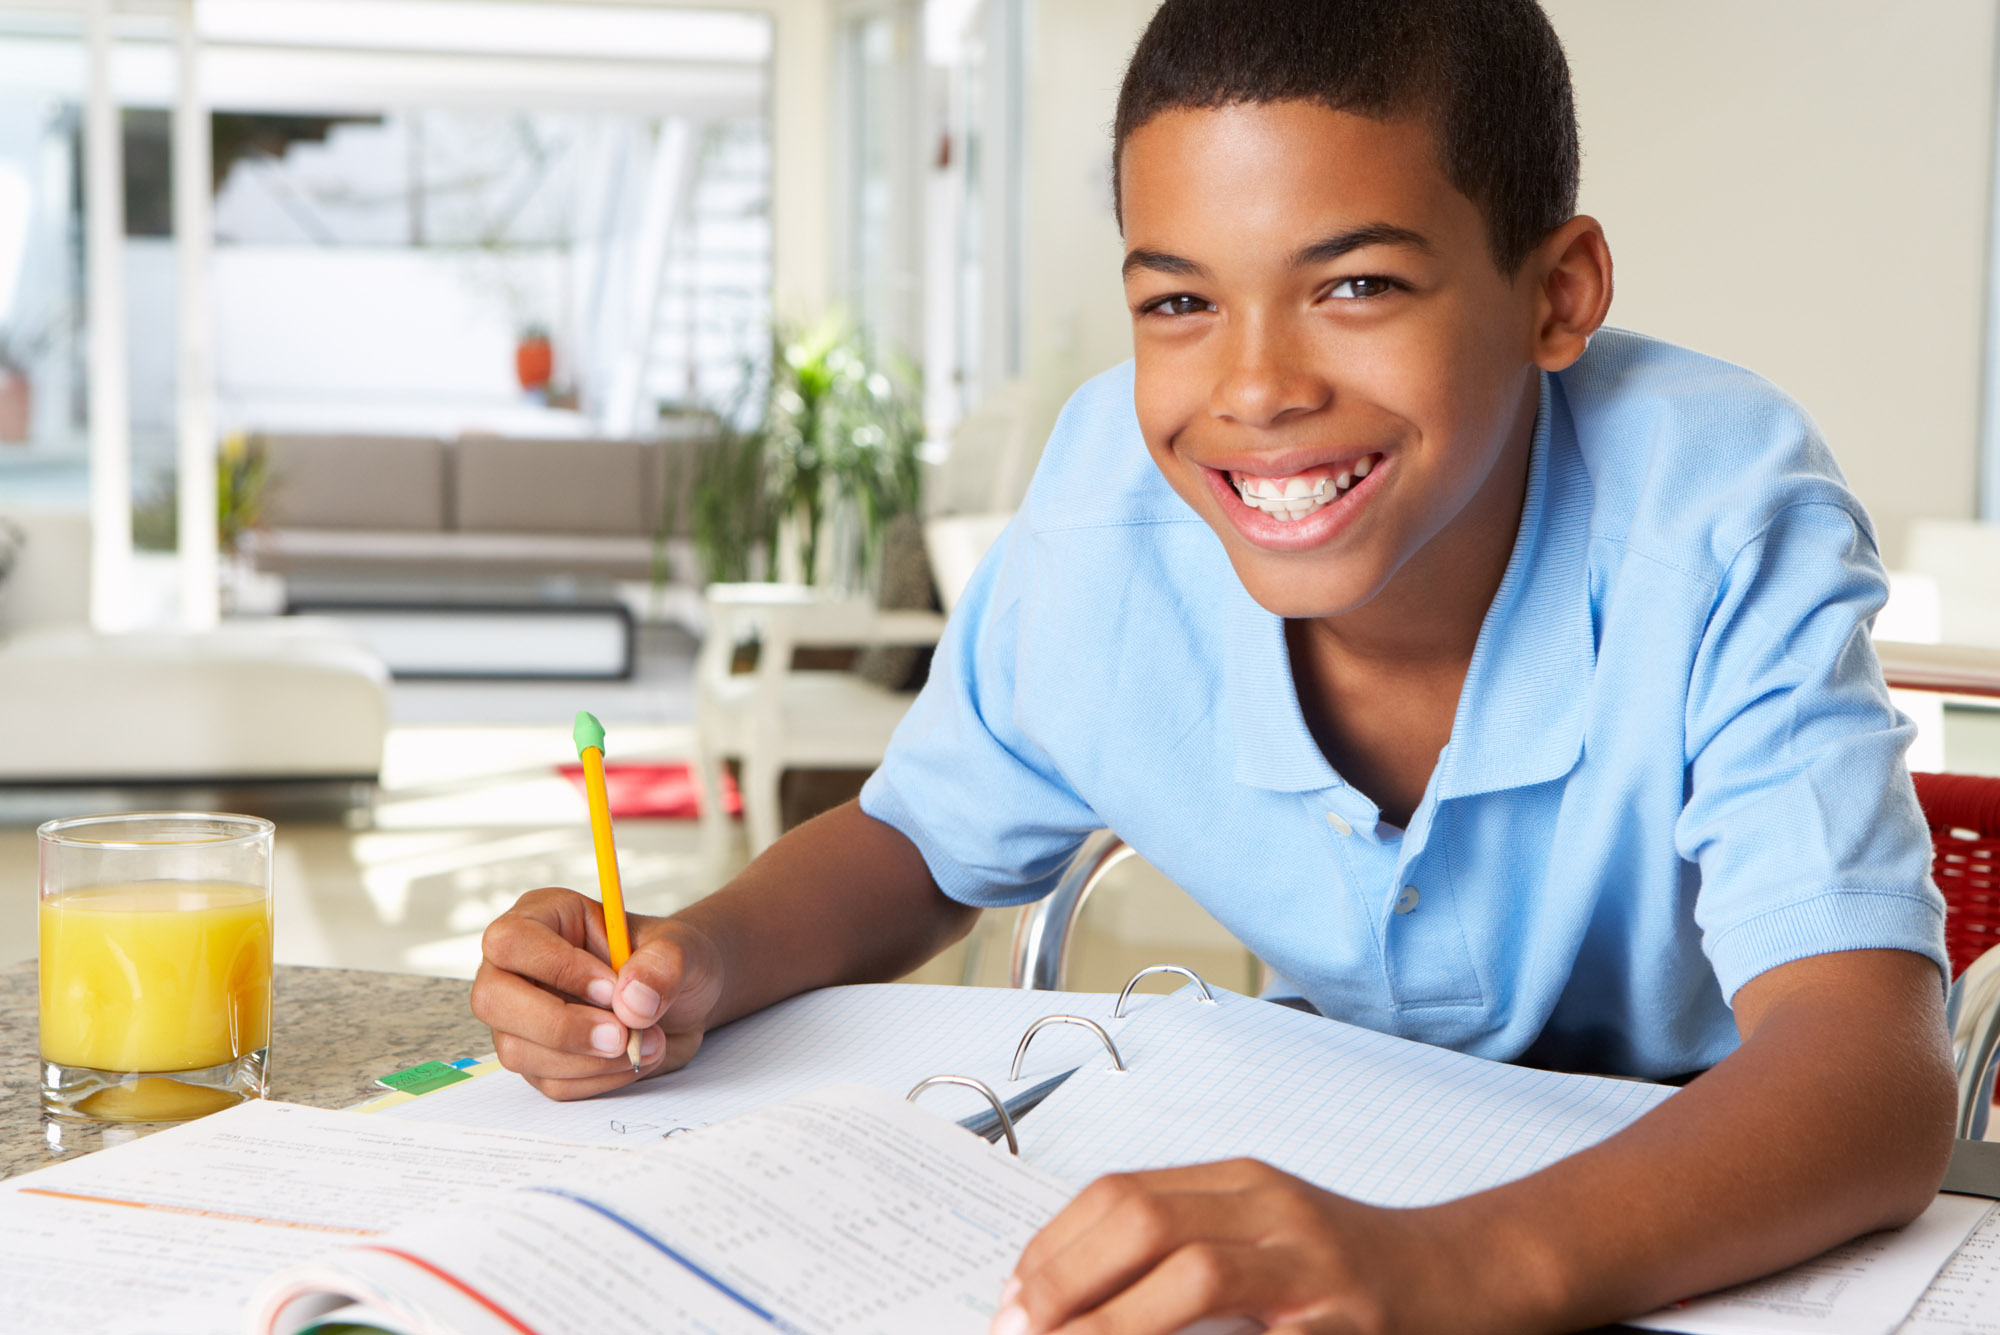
<point x="1377" y="1118"/>
<point x="1965" y="1297"/>
<point x="842" y="1212"/>
<point x="169" y="1234"/>
<point x="886" y="1035"/>
<point x="1864" y="1287"/>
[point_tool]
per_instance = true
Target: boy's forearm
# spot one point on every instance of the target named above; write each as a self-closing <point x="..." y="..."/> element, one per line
<point x="843" y="898"/>
<point x="1833" y="1119"/>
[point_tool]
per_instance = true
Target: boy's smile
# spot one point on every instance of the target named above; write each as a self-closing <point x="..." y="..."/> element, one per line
<point x="1332" y="370"/>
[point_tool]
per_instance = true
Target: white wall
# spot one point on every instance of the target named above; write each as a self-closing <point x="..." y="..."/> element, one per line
<point x="1802" y="186"/>
<point x="1076" y="323"/>
<point x="801" y="153"/>
<point x="373" y="324"/>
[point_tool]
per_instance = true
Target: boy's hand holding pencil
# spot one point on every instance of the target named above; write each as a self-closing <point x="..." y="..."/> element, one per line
<point x="583" y="998"/>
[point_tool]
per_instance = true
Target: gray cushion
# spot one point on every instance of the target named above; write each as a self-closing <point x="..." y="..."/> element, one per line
<point x="556" y="486"/>
<point x="368" y="482"/>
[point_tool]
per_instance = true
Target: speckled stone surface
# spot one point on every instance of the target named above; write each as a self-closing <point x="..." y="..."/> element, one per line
<point x="334" y="1031"/>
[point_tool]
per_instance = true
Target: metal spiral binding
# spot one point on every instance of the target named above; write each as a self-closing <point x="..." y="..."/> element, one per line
<point x="999" y="1108"/>
<point x="1209" y="997"/>
<point x="1020" y="1053"/>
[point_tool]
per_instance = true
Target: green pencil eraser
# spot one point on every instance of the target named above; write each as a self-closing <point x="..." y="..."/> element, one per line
<point x="423" y="1078"/>
<point x="589" y="733"/>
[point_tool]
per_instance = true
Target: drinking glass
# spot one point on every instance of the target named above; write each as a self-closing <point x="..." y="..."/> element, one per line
<point x="155" y="964"/>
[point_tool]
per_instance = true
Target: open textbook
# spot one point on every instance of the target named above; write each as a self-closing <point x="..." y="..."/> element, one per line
<point x="721" y="1198"/>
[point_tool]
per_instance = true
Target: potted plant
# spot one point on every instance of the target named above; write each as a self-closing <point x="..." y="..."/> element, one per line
<point x="840" y="452"/>
<point x="814" y="486"/>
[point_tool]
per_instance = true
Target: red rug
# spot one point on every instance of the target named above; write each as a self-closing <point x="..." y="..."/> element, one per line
<point x="656" y="792"/>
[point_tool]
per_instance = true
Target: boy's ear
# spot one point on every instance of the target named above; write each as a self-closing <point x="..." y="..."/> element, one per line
<point x="1571" y="274"/>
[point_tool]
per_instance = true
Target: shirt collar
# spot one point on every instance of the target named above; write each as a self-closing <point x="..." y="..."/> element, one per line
<point x="1521" y="713"/>
<point x="1267" y="729"/>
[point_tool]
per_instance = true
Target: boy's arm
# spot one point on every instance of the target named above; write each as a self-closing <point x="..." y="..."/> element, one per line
<point x="842" y="899"/>
<point x="1833" y="1118"/>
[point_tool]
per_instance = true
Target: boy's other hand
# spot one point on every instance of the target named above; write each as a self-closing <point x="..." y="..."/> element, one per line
<point x="560" y="1014"/>
<point x="1151" y="1253"/>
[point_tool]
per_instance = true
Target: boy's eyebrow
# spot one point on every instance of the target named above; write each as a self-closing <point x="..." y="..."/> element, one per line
<point x="1319" y="252"/>
<point x="1354" y="238"/>
<point x="1159" y="261"/>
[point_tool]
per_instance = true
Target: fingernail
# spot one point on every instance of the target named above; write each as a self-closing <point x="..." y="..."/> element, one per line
<point x="1011" y="1321"/>
<point x="643" y="1000"/>
<point x="1010" y="1290"/>
<point x="607" y="1039"/>
<point x="599" y="992"/>
<point x="650" y="1045"/>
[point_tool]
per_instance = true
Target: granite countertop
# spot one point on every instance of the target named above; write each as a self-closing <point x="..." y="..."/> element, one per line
<point x="334" y="1031"/>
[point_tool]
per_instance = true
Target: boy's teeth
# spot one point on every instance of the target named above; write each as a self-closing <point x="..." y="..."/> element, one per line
<point x="1292" y="498"/>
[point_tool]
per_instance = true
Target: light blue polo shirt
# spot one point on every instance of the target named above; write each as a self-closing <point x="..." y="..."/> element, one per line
<point x="1673" y="765"/>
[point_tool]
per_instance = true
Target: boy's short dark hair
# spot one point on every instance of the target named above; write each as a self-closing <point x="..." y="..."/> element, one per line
<point x="1489" y="74"/>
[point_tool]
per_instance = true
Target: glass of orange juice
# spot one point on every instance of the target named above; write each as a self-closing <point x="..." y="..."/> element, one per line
<point x="155" y="964"/>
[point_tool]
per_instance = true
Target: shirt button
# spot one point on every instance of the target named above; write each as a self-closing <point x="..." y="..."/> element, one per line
<point x="1407" y="900"/>
<point x="1339" y="826"/>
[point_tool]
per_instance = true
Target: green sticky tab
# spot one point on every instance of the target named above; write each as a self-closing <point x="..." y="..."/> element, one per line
<point x="423" y="1078"/>
<point x="589" y="733"/>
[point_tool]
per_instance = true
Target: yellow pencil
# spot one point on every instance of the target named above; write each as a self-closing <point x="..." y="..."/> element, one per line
<point x="590" y="750"/>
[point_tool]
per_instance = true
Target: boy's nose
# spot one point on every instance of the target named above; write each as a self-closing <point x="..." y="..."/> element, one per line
<point x="1263" y="382"/>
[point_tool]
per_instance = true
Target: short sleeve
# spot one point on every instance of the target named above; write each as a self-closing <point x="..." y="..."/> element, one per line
<point x="992" y="816"/>
<point x="1800" y="812"/>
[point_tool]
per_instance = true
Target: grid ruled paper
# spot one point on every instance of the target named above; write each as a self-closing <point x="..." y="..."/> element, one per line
<point x="1377" y="1118"/>
<point x="888" y="1035"/>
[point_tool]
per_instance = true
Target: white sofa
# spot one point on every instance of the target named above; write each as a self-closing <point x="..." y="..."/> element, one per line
<point x="258" y="701"/>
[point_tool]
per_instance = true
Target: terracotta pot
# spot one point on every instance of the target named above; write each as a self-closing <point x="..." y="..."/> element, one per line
<point x="534" y="363"/>
<point x="17" y="407"/>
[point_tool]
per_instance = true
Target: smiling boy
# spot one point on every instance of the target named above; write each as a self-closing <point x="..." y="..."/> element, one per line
<point x="1503" y="683"/>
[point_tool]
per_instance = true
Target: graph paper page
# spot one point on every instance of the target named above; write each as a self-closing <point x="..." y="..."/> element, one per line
<point x="1380" y="1119"/>
<point x="1397" y="1123"/>
<point x="886" y="1035"/>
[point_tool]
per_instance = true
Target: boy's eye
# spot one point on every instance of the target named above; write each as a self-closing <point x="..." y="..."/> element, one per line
<point x="1181" y="303"/>
<point x="1351" y="289"/>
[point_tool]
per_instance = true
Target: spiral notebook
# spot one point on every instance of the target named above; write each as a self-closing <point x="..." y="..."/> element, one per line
<point x="830" y="1212"/>
<point x="1382" y="1119"/>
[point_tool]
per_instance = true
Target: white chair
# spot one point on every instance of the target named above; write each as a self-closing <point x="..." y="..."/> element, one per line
<point x="777" y="717"/>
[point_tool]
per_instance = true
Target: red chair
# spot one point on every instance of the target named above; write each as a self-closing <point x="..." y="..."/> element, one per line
<point x="1963" y="812"/>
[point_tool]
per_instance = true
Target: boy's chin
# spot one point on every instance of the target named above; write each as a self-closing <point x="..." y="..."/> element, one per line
<point x="1305" y="593"/>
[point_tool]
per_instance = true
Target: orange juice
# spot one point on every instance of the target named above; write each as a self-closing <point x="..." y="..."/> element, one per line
<point x="155" y="975"/>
